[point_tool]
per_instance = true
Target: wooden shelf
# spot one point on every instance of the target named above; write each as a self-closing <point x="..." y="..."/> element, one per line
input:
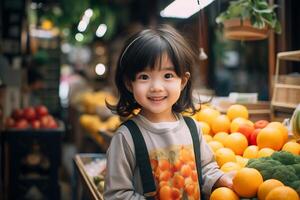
<point x="286" y="92"/>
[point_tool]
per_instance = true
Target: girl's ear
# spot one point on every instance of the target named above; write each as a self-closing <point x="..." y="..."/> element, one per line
<point x="185" y="79"/>
<point x="128" y="85"/>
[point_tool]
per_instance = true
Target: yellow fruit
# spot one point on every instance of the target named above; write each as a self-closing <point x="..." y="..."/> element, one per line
<point x="230" y="166"/>
<point x="205" y="128"/>
<point x="220" y="137"/>
<point x="283" y="130"/>
<point x="223" y="193"/>
<point x="220" y="124"/>
<point x="235" y="124"/>
<point x="246" y="182"/>
<point x="215" y="145"/>
<point x="266" y="187"/>
<point x="269" y="137"/>
<point x="236" y="110"/>
<point x="207" y="138"/>
<point x="237" y="142"/>
<point x="224" y="155"/>
<point x="207" y="115"/>
<point x="292" y="147"/>
<point x="282" y="193"/>
<point x="265" y="152"/>
<point x="251" y="152"/>
<point x="241" y="161"/>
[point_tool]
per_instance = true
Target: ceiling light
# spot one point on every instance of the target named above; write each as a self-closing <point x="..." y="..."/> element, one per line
<point x="184" y="8"/>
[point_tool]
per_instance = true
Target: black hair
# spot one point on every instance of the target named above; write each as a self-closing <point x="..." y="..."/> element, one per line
<point x="143" y="50"/>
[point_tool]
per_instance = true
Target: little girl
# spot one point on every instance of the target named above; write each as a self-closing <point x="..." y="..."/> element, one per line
<point x="153" y="76"/>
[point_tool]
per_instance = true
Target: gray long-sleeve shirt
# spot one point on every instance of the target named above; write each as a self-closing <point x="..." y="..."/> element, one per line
<point x="171" y="154"/>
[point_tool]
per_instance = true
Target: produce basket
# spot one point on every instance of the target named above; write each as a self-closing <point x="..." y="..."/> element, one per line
<point x="88" y="181"/>
<point x="32" y="159"/>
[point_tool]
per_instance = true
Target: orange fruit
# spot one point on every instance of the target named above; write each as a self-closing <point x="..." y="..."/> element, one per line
<point x="269" y="137"/>
<point x="251" y="152"/>
<point x="237" y="122"/>
<point x="237" y="142"/>
<point x="220" y="124"/>
<point x="282" y="193"/>
<point x="292" y="147"/>
<point x="224" y="155"/>
<point x="265" y="152"/>
<point x="220" y="137"/>
<point x="246" y="182"/>
<point x="205" y="128"/>
<point x="241" y="161"/>
<point x="230" y="166"/>
<point x="207" y="138"/>
<point x="283" y="130"/>
<point x="207" y="115"/>
<point x="237" y="110"/>
<point x="222" y="193"/>
<point x="266" y="187"/>
<point x="215" y="145"/>
<point x="165" y="192"/>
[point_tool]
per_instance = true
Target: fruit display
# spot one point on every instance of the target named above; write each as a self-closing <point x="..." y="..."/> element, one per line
<point x="251" y="148"/>
<point x="91" y="102"/>
<point x="31" y="117"/>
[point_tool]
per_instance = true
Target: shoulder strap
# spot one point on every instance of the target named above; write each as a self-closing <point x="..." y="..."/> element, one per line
<point x="196" y="143"/>
<point x="142" y="160"/>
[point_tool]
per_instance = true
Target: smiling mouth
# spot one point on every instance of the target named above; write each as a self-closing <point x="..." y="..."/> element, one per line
<point x="157" y="98"/>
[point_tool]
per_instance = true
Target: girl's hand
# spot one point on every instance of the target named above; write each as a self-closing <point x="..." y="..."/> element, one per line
<point x="226" y="180"/>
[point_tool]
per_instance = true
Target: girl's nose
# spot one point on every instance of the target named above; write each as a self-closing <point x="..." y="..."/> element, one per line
<point x="156" y="85"/>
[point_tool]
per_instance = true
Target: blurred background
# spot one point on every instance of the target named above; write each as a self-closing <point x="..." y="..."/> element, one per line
<point x="61" y="55"/>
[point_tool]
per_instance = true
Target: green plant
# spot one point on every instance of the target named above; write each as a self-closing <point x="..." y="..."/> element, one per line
<point x="259" y="12"/>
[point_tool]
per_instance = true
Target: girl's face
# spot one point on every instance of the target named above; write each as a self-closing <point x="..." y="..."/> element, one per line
<point x="158" y="90"/>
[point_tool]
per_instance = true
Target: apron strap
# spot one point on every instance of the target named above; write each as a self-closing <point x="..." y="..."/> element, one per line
<point x="142" y="160"/>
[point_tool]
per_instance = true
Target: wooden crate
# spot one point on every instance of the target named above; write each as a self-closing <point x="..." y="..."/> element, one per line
<point x="88" y="184"/>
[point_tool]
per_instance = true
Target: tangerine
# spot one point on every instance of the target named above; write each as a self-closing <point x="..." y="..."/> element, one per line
<point x="283" y="130"/>
<point x="241" y="161"/>
<point x="220" y="137"/>
<point x="207" y="138"/>
<point x="237" y="142"/>
<point x="282" y="193"/>
<point x="246" y="182"/>
<point x="251" y="152"/>
<point x="292" y="147"/>
<point x="265" y="152"/>
<point x="207" y="115"/>
<point x="237" y="110"/>
<point x="270" y="137"/>
<point x="230" y="166"/>
<point x="266" y="187"/>
<point x="222" y="193"/>
<point x="224" y="155"/>
<point x="220" y="124"/>
<point x="215" y="145"/>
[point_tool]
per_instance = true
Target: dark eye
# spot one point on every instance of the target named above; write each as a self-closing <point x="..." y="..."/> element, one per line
<point x="169" y="75"/>
<point x="142" y="77"/>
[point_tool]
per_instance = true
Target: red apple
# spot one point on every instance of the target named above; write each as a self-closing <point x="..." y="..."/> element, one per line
<point x="22" y="124"/>
<point x="9" y="122"/>
<point x="261" y="124"/>
<point x="44" y="121"/>
<point x="17" y="114"/>
<point x="36" y="124"/>
<point x="52" y="124"/>
<point x="253" y="136"/>
<point x="41" y="111"/>
<point x="29" y="113"/>
<point x="246" y="130"/>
